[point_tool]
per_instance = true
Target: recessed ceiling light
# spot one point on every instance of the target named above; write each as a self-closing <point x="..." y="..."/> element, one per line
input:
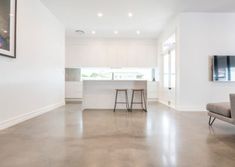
<point x="115" y="32"/>
<point x="80" y="32"/>
<point x="138" y="32"/>
<point x="100" y="14"/>
<point x="130" y="15"/>
<point x="93" y="32"/>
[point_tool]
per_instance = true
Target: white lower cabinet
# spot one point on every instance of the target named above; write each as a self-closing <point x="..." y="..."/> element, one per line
<point x="73" y="89"/>
<point x="152" y="91"/>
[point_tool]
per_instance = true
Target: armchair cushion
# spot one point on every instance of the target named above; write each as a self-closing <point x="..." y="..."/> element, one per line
<point x="223" y="109"/>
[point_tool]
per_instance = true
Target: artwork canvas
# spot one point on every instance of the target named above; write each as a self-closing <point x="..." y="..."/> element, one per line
<point x="8" y="28"/>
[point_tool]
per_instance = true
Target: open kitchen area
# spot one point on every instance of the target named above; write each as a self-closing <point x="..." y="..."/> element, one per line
<point x="95" y="88"/>
<point x="96" y="68"/>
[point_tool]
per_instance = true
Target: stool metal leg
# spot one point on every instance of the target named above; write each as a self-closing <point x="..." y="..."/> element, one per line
<point x="127" y="103"/>
<point x="145" y="105"/>
<point x="141" y="99"/>
<point x="132" y="99"/>
<point x="115" y="104"/>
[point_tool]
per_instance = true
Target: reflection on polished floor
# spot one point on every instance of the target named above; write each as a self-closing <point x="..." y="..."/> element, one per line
<point x="68" y="137"/>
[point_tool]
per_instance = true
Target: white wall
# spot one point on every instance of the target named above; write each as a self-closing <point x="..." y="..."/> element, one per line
<point x="34" y="81"/>
<point x="111" y="53"/>
<point x="203" y="35"/>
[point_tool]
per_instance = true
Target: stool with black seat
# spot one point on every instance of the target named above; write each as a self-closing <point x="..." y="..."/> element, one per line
<point x="123" y="102"/>
<point x="142" y="99"/>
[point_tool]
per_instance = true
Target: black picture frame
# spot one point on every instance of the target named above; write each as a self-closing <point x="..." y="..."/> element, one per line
<point x="12" y="22"/>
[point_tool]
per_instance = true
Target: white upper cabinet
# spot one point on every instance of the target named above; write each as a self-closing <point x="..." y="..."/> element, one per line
<point x="111" y="53"/>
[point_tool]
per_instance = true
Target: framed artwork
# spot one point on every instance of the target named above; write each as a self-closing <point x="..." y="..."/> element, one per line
<point x="8" y="28"/>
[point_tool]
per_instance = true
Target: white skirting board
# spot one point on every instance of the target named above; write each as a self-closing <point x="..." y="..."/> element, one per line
<point x="166" y="104"/>
<point x="183" y="108"/>
<point x="152" y="100"/>
<point x="191" y="108"/>
<point x="30" y="115"/>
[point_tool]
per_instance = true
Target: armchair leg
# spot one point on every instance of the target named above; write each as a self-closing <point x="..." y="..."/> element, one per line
<point x="211" y="121"/>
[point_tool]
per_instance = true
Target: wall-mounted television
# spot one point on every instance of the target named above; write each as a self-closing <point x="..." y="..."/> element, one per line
<point x="223" y="68"/>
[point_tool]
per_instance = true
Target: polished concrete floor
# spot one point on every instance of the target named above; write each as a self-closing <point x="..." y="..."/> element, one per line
<point x="68" y="137"/>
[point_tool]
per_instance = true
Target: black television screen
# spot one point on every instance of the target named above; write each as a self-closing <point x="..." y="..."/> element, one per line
<point x="223" y="68"/>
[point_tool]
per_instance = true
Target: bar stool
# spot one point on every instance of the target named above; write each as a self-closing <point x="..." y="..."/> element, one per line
<point x="116" y="99"/>
<point x="142" y="99"/>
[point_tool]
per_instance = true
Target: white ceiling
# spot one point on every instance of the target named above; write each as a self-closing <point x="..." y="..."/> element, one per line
<point x="149" y="16"/>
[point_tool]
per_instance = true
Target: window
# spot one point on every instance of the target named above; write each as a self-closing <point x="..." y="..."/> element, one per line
<point x="96" y="74"/>
<point x="117" y="74"/>
<point x="132" y="74"/>
<point x="169" y="62"/>
<point x="166" y="70"/>
<point x="169" y="43"/>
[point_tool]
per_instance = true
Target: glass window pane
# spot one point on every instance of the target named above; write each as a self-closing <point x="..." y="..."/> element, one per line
<point x="166" y="80"/>
<point x="173" y="61"/>
<point x="117" y="74"/>
<point x="166" y="63"/>
<point x="173" y="80"/>
<point x="96" y="74"/>
<point x="169" y="43"/>
<point x="132" y="74"/>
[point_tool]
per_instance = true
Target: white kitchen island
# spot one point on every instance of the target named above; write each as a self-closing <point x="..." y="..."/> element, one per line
<point x="100" y="94"/>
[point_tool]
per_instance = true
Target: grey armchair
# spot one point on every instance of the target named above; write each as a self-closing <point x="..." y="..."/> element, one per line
<point x="222" y="111"/>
